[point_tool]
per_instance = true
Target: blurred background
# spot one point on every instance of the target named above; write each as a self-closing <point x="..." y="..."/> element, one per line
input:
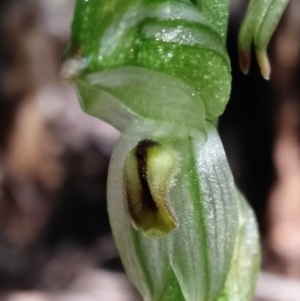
<point x="55" y="238"/>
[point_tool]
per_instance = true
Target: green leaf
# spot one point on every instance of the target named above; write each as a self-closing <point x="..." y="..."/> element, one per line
<point x="123" y="95"/>
<point x="172" y="37"/>
<point x="192" y="261"/>
<point x="259" y="24"/>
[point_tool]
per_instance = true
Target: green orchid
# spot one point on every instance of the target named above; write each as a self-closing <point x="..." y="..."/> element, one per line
<point x="159" y="72"/>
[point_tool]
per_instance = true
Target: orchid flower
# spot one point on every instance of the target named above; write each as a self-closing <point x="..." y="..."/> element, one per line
<point x="159" y="72"/>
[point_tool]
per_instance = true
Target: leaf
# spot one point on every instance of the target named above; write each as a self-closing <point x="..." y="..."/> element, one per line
<point x="191" y="262"/>
<point x="259" y="24"/>
<point x="123" y="95"/>
<point x="172" y="37"/>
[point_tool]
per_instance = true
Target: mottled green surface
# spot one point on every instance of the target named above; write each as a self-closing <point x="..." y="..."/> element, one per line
<point x="216" y="12"/>
<point x="172" y="37"/>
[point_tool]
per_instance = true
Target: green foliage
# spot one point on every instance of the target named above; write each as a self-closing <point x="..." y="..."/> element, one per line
<point x="158" y="71"/>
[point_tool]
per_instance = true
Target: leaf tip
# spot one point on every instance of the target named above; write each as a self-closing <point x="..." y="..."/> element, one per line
<point x="244" y="61"/>
<point x="264" y="64"/>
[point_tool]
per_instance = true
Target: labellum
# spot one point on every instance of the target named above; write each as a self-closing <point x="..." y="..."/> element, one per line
<point x="148" y="173"/>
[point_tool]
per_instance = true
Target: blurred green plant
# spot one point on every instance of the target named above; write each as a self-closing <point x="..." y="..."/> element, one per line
<point x="159" y="72"/>
<point x="259" y="24"/>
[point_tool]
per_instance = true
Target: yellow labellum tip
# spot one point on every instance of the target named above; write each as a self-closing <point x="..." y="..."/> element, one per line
<point x="264" y="64"/>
